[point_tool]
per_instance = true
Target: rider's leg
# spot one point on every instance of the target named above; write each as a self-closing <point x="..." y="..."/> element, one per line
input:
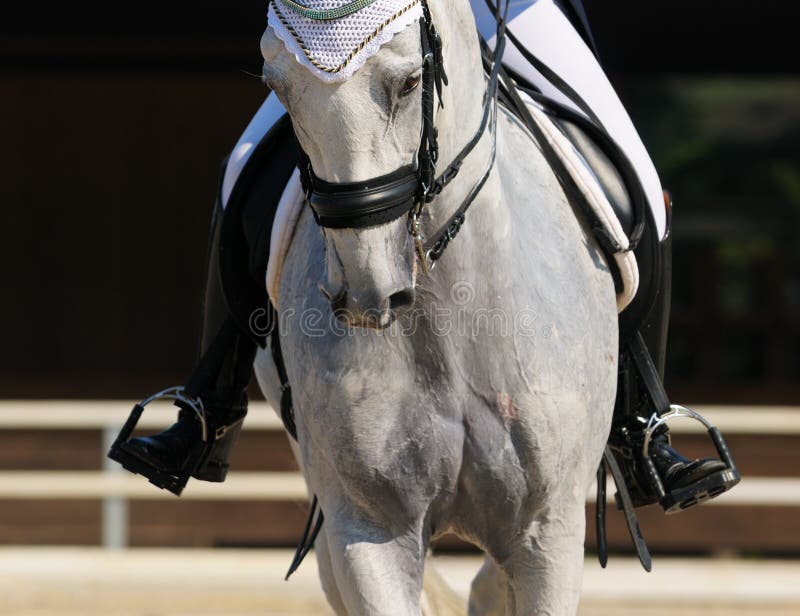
<point x="180" y="448"/>
<point x="696" y="480"/>
<point x="228" y="346"/>
<point x="542" y="27"/>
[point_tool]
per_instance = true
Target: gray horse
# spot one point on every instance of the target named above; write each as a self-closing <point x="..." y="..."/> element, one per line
<point x="474" y="399"/>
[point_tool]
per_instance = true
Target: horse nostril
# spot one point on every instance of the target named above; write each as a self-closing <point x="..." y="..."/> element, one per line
<point x="337" y="301"/>
<point x="401" y="300"/>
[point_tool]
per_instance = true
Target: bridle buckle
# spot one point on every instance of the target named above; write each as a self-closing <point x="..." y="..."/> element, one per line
<point x="416" y="234"/>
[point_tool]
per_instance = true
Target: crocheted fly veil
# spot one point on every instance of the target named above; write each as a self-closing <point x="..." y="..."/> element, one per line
<point x="334" y="38"/>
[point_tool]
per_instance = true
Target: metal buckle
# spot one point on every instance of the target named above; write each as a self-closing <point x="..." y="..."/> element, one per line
<point x="419" y="247"/>
<point x="431" y="263"/>
<point x="223" y="430"/>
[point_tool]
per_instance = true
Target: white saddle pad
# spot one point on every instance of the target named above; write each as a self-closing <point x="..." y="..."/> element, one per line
<point x="588" y="184"/>
<point x="286" y="217"/>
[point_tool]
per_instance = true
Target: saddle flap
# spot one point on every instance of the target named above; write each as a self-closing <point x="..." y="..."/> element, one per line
<point x="247" y="222"/>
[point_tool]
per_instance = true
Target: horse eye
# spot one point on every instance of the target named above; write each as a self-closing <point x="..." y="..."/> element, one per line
<point x="409" y="84"/>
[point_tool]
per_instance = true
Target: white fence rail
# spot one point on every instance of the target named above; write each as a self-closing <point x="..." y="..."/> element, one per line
<point x="96" y="414"/>
<point x="115" y="488"/>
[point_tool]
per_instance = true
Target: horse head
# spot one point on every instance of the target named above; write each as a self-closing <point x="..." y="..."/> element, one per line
<point x="365" y="135"/>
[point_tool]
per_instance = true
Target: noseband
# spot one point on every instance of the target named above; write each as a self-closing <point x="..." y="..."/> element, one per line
<point x="353" y="205"/>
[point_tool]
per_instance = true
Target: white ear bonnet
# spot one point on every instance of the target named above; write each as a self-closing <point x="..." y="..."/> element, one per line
<point x="334" y="38"/>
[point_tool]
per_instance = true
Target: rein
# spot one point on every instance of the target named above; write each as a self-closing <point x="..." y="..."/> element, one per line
<point x="453" y="225"/>
<point x="407" y="190"/>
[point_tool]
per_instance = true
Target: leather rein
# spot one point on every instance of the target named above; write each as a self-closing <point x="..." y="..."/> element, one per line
<point x="382" y="199"/>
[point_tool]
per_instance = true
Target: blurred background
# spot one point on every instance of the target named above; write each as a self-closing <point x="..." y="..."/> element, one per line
<point x="113" y="122"/>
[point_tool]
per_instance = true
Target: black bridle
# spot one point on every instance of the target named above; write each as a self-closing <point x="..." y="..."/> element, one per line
<point x="350" y="205"/>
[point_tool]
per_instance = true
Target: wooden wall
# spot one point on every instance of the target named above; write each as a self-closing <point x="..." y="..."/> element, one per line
<point x="108" y="185"/>
<point x="767" y="530"/>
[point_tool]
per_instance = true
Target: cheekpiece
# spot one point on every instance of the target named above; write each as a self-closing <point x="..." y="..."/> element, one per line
<point x="333" y="39"/>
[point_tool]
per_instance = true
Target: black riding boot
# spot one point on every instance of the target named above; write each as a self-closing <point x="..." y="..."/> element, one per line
<point x="678" y="474"/>
<point x="685" y="482"/>
<point x="213" y="404"/>
<point x="181" y="448"/>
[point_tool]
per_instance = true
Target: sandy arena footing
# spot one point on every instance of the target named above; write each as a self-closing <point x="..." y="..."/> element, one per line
<point x="154" y="582"/>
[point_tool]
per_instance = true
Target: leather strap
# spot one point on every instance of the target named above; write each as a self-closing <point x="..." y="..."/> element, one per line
<point x="600" y="515"/>
<point x="627" y="508"/>
<point x="649" y="373"/>
<point x="339" y="205"/>
<point x="309" y="536"/>
<point x="312" y="527"/>
<point x="287" y="407"/>
<point x="453" y="225"/>
<point x="546" y="71"/>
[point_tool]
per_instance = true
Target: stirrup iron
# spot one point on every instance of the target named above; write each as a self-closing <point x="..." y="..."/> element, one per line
<point x="174" y="482"/>
<point x="699" y="491"/>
